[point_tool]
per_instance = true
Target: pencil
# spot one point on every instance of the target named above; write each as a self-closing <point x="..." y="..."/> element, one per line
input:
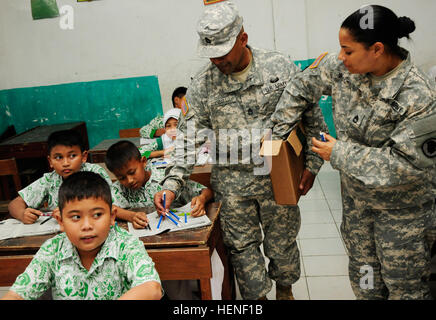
<point x="46" y="220"/>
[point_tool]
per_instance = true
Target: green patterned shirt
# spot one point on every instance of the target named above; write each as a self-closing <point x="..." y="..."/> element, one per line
<point x="148" y="130"/>
<point x="121" y="264"/>
<point x="144" y="197"/>
<point x="47" y="187"/>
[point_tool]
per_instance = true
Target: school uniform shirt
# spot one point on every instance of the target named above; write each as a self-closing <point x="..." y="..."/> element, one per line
<point x="386" y="130"/>
<point x="149" y="129"/>
<point x="47" y="187"/>
<point x="146" y="149"/>
<point x="144" y="197"/>
<point x="121" y="264"/>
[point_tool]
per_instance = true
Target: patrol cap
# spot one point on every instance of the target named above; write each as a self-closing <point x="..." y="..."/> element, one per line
<point x="218" y="28"/>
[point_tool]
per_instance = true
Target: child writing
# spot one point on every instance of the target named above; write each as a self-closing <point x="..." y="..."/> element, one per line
<point x="136" y="186"/>
<point x="156" y="126"/>
<point x="66" y="155"/>
<point x="91" y="259"/>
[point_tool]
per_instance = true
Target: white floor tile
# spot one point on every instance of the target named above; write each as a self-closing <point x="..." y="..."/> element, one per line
<point x="314" y="231"/>
<point x="322" y="247"/>
<point x="337" y="215"/>
<point x="330" y="288"/>
<point x="334" y="204"/>
<point x="326" y="265"/>
<point x="316" y="217"/>
<point x="307" y="205"/>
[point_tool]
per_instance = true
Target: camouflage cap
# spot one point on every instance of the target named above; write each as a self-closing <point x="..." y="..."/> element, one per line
<point x="218" y="28"/>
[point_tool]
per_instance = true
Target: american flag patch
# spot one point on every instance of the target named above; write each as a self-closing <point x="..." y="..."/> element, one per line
<point x="316" y="63"/>
<point x="185" y="107"/>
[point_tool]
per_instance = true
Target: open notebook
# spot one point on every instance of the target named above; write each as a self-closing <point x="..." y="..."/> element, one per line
<point x="12" y="228"/>
<point x="168" y="225"/>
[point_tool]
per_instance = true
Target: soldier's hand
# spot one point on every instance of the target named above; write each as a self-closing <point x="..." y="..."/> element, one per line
<point x="158" y="201"/>
<point x="324" y="149"/>
<point x="306" y="182"/>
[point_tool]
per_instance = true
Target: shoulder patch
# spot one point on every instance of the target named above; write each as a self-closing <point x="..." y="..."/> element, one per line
<point x="185" y="106"/>
<point x="429" y="148"/>
<point x="318" y="60"/>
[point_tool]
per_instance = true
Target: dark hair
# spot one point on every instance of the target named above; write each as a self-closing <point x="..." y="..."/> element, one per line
<point x="120" y="153"/>
<point x="84" y="185"/>
<point x="384" y="27"/>
<point x="178" y="92"/>
<point x="67" y="138"/>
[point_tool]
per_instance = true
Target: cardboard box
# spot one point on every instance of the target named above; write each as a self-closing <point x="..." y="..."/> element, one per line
<point x="286" y="160"/>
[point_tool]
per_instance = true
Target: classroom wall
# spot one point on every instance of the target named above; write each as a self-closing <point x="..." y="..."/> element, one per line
<point x="115" y="39"/>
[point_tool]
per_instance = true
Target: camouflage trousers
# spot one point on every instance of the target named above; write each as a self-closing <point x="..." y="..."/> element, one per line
<point x="389" y="257"/>
<point x="242" y="221"/>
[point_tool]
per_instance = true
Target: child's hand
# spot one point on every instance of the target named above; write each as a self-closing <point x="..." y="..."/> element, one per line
<point x="167" y="151"/>
<point x="198" y="206"/>
<point x="140" y="220"/>
<point x="30" y="215"/>
<point x="56" y="213"/>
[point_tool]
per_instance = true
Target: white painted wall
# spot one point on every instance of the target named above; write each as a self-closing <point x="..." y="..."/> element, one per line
<point x="128" y="38"/>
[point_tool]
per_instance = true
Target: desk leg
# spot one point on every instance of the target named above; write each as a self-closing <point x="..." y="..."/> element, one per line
<point x="228" y="289"/>
<point x="206" y="289"/>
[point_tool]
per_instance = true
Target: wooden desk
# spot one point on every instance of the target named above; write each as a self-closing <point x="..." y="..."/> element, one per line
<point x="33" y="143"/>
<point x="97" y="154"/>
<point x="178" y="255"/>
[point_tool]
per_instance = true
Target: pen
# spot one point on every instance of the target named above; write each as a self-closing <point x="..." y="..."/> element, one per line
<point x="46" y="220"/>
<point x="164" y="199"/>
<point x="160" y="220"/>
<point x="322" y="136"/>
<point x="186" y="218"/>
<point x="169" y="217"/>
<point x="174" y="215"/>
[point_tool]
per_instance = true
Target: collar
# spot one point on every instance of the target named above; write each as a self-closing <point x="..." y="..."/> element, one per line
<point x="254" y="76"/>
<point x="108" y="250"/>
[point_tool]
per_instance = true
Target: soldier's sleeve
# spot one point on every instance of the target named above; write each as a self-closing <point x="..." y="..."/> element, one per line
<point x="313" y="122"/>
<point x="149" y="129"/>
<point x="302" y="92"/>
<point x="409" y="157"/>
<point x="193" y="122"/>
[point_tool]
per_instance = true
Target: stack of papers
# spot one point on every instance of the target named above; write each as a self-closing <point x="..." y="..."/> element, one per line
<point x="168" y="225"/>
<point x="12" y="228"/>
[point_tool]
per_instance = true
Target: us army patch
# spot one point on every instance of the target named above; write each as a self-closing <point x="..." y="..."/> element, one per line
<point x="318" y="60"/>
<point x="185" y="106"/>
<point x="429" y="148"/>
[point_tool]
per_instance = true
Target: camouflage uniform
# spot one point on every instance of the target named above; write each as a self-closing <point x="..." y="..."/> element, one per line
<point x="217" y="101"/>
<point x="386" y="158"/>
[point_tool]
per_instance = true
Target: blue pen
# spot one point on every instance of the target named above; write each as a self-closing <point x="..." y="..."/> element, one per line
<point x="164" y="199"/>
<point x="169" y="217"/>
<point x="322" y="135"/>
<point x="160" y="220"/>
<point x="174" y="215"/>
<point x="186" y="218"/>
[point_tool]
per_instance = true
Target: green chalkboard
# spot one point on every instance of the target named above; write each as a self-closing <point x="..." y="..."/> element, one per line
<point x="106" y="105"/>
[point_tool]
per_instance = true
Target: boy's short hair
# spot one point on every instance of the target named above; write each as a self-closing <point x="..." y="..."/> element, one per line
<point x="178" y="92"/>
<point x="120" y="153"/>
<point x="67" y="138"/>
<point x="84" y="185"/>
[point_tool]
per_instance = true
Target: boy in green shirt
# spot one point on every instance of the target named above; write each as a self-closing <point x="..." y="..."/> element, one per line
<point x="66" y="155"/>
<point x="91" y="259"/>
<point x="136" y="186"/>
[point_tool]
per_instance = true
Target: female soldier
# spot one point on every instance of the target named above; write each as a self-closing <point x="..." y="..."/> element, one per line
<point x="384" y="111"/>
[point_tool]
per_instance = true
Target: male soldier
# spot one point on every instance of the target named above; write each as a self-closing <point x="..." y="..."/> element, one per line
<point x="235" y="94"/>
